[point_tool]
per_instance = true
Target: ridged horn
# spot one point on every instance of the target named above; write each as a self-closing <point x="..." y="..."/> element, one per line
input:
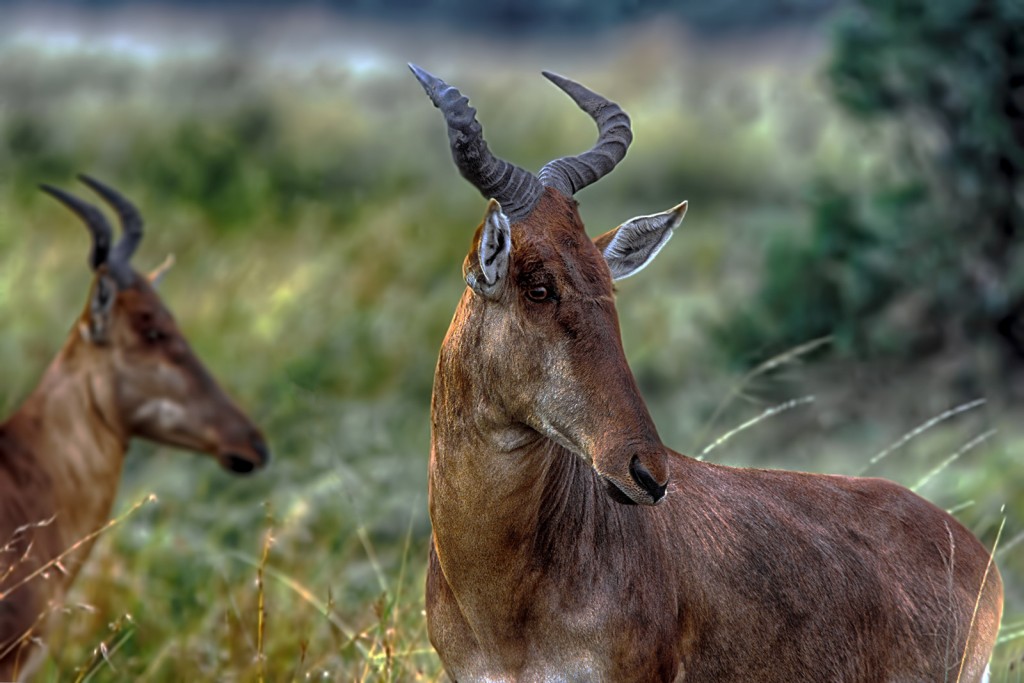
<point x="517" y="190"/>
<point x="93" y="218"/>
<point x="569" y="175"/>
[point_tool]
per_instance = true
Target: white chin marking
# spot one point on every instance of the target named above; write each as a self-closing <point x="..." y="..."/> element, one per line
<point x="984" y="676"/>
<point x="161" y="413"/>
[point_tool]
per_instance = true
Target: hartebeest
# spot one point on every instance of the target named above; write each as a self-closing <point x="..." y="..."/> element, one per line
<point x="569" y="544"/>
<point x="125" y="370"/>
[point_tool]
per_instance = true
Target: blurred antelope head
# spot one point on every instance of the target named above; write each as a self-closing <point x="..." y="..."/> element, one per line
<point x="161" y="390"/>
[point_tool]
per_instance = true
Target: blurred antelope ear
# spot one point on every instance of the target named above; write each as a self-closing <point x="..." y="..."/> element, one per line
<point x="486" y="267"/>
<point x="157" y="274"/>
<point x="101" y="304"/>
<point x="631" y="246"/>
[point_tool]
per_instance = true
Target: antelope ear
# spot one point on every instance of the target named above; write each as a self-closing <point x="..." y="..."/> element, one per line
<point x="101" y="305"/>
<point x="631" y="246"/>
<point x="486" y="267"/>
<point x="157" y="274"/>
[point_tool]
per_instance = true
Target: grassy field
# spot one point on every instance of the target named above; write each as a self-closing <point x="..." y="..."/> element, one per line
<point x="319" y="228"/>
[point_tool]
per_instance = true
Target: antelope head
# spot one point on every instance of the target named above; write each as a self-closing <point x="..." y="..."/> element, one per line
<point x="544" y="346"/>
<point x="160" y="390"/>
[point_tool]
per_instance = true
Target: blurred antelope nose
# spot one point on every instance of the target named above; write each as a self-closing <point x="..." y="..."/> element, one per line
<point x="261" y="449"/>
<point x="645" y="480"/>
<point x="245" y="460"/>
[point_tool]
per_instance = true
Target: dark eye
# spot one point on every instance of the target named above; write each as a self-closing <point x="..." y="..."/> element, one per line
<point x="152" y="334"/>
<point x="538" y="293"/>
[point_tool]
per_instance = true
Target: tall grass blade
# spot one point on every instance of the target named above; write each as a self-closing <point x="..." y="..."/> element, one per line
<point x="767" y="366"/>
<point x="774" y="410"/>
<point x="920" y="429"/>
<point x="973" y="443"/>
<point x="977" y="600"/>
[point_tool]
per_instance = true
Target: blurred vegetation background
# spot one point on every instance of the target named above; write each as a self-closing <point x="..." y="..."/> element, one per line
<point x="849" y="271"/>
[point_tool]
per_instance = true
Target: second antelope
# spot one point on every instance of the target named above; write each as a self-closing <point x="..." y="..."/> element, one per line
<point x="570" y="544"/>
<point x="125" y="371"/>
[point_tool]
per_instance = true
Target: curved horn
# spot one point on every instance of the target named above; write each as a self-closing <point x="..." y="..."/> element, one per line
<point x="517" y="190"/>
<point x="569" y="175"/>
<point x="131" y="220"/>
<point x="94" y="220"/>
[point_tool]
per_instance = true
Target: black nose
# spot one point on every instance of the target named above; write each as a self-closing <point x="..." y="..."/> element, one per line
<point x="238" y="464"/>
<point x="255" y="457"/>
<point x="645" y="481"/>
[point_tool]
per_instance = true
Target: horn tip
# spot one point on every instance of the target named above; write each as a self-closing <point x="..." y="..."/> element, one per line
<point x="91" y="182"/>
<point x="423" y="76"/>
<point x="60" y="195"/>
<point x="557" y="79"/>
<point x="568" y="86"/>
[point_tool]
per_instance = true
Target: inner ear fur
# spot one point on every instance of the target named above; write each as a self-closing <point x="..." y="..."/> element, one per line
<point x="157" y="274"/>
<point x="486" y="266"/>
<point x="101" y="305"/>
<point x="630" y="247"/>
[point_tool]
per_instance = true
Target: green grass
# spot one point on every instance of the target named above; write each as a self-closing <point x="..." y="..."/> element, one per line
<point x="319" y="228"/>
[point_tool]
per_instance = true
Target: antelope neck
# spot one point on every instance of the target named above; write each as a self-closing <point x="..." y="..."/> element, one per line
<point x="500" y="493"/>
<point x="78" y="439"/>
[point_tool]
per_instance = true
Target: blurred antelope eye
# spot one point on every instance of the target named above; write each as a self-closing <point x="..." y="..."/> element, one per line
<point x="537" y="293"/>
<point x="154" y="335"/>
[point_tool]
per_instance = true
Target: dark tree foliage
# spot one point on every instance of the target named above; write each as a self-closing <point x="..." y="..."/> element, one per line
<point x="562" y="16"/>
<point x="932" y="256"/>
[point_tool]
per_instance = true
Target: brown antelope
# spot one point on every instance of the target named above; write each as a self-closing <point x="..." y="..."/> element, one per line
<point x="570" y="544"/>
<point x="125" y="370"/>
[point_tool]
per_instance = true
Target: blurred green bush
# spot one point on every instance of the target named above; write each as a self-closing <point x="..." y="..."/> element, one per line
<point x="926" y="255"/>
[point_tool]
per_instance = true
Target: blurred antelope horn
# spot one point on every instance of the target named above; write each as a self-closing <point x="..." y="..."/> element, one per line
<point x="131" y="220"/>
<point x="93" y="218"/>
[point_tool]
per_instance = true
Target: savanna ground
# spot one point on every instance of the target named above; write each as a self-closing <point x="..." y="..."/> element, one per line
<point x="308" y="196"/>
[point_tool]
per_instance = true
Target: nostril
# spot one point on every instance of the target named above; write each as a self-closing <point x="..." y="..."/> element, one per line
<point x="645" y="480"/>
<point x="239" y="465"/>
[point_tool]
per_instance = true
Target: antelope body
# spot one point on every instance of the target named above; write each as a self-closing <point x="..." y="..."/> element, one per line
<point x="124" y="371"/>
<point x="569" y="544"/>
